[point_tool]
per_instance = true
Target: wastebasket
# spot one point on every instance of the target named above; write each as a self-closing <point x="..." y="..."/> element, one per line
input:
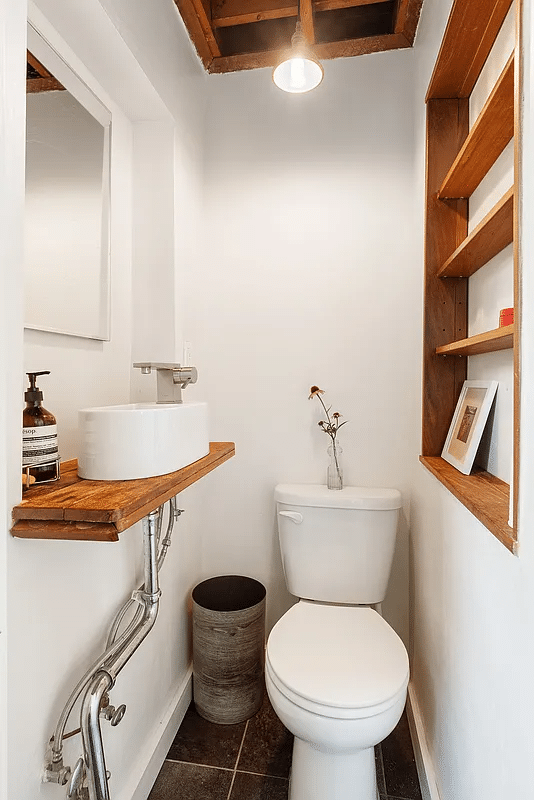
<point x="228" y="648"/>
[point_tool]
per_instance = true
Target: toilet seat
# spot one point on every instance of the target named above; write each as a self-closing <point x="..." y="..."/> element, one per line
<point x="343" y="662"/>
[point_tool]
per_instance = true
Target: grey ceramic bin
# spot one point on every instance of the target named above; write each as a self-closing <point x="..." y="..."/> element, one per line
<point x="228" y="648"/>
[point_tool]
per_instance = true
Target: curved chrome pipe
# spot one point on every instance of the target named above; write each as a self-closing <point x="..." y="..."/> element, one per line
<point x="95" y="760"/>
<point x="57" y="740"/>
<point x="114" y="661"/>
<point x="115" y="648"/>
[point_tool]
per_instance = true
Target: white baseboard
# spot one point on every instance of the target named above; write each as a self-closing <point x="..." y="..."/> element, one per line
<point x="425" y="767"/>
<point x="157" y="745"/>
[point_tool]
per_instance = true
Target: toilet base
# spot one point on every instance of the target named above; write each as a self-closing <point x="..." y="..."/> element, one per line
<point x="316" y="775"/>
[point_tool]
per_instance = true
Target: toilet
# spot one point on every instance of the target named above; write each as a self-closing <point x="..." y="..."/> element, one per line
<point x="336" y="672"/>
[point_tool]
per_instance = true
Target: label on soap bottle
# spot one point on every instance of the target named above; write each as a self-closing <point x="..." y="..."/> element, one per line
<point x="39" y="445"/>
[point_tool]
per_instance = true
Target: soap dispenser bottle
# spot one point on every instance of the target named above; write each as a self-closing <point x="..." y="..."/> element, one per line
<point x="40" y="456"/>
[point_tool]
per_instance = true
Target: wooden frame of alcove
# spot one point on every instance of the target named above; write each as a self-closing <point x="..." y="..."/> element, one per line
<point x="458" y="157"/>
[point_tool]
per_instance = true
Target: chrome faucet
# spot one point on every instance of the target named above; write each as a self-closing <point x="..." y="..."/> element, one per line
<point x="171" y="379"/>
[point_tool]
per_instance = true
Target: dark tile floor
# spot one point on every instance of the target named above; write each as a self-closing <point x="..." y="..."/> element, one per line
<point x="251" y="761"/>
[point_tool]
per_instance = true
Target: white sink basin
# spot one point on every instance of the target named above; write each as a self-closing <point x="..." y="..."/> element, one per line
<point x="141" y="440"/>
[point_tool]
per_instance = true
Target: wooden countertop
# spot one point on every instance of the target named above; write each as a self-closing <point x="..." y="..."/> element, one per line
<point x="74" y="508"/>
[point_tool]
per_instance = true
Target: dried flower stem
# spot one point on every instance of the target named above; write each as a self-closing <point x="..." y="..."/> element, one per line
<point x="331" y="425"/>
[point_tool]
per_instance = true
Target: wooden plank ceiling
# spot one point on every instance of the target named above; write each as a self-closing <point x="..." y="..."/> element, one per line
<point x="232" y="35"/>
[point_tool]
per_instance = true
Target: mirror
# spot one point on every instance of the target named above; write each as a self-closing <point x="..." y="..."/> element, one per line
<point x="67" y="263"/>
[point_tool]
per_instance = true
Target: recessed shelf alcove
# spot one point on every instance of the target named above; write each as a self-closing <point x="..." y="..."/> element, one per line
<point x="459" y="156"/>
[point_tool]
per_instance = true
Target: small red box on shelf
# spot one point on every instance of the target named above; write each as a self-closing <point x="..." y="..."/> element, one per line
<point x="506" y="317"/>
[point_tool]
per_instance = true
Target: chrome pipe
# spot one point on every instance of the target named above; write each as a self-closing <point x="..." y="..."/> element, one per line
<point x="95" y="760"/>
<point x="151" y="530"/>
<point x="174" y="513"/>
<point x="139" y="611"/>
<point x="100" y="677"/>
<point x="113" y="662"/>
<point x="148" y="597"/>
<point x="108" y="655"/>
<point x="57" y="739"/>
<point x="118" y="621"/>
<point x="116" y="661"/>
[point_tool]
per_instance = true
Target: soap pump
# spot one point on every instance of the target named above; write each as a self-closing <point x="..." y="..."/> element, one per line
<point x="40" y="455"/>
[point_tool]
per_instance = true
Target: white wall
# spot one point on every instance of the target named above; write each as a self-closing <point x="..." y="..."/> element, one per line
<point x="308" y="276"/>
<point x="472" y="600"/>
<point x="62" y="596"/>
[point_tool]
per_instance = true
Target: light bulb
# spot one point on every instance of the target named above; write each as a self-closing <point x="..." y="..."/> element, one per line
<point x="297" y="78"/>
<point x="300" y="71"/>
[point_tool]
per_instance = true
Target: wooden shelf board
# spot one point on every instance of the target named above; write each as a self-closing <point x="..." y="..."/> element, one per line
<point x="470" y="34"/>
<point x="491" y="235"/>
<point x="487" y="342"/>
<point x="486" y="496"/>
<point x="486" y="140"/>
<point x="74" y="508"/>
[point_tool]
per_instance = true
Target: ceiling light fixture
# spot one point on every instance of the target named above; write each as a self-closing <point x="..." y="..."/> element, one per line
<point x="300" y="71"/>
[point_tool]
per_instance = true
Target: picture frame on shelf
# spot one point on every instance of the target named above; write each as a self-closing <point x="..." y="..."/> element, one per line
<point x="468" y="423"/>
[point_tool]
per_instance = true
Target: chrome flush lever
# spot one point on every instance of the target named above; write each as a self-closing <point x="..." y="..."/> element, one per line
<point x="292" y="515"/>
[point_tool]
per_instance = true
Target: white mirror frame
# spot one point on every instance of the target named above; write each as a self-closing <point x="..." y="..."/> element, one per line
<point x="47" y="54"/>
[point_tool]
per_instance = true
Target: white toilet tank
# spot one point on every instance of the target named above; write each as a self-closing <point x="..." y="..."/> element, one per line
<point x="337" y="545"/>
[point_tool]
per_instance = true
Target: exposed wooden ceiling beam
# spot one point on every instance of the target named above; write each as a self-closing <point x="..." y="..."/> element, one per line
<point x="200" y="29"/>
<point x="360" y="47"/>
<point x="35" y="85"/>
<point x="45" y="82"/>
<point x="407" y="17"/>
<point x="306" y="20"/>
<point x="196" y="33"/>
<point x="37" y="66"/>
<point x="345" y="49"/>
<point x="240" y="12"/>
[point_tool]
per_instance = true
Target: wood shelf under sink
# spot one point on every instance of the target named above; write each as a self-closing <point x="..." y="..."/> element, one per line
<point x="85" y="510"/>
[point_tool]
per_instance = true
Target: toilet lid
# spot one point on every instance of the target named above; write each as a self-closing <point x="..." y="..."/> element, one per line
<point x="338" y="656"/>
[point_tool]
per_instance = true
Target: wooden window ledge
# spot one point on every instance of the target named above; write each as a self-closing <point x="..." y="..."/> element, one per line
<point x="74" y="508"/>
<point x="486" y="496"/>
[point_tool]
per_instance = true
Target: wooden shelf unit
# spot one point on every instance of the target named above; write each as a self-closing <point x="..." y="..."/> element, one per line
<point x="492" y="131"/>
<point x="84" y="510"/>
<point x="491" y="235"/>
<point x="464" y="50"/>
<point x="458" y="158"/>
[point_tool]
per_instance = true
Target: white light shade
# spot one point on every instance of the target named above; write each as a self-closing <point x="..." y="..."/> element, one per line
<point x="300" y="71"/>
<point x="298" y="75"/>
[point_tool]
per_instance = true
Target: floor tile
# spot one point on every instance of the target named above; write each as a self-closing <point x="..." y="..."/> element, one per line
<point x="201" y="742"/>
<point x="191" y="782"/>
<point x="399" y="763"/>
<point x="268" y="745"/>
<point x="258" y="787"/>
<point x="390" y="797"/>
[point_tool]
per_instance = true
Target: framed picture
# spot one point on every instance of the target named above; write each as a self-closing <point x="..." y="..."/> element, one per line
<point x="468" y="422"/>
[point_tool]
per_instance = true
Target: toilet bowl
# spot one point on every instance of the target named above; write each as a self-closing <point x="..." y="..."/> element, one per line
<point x="337" y="678"/>
<point x="336" y="672"/>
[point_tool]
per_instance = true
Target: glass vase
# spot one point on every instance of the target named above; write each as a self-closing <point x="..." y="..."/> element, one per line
<point x="334" y="473"/>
